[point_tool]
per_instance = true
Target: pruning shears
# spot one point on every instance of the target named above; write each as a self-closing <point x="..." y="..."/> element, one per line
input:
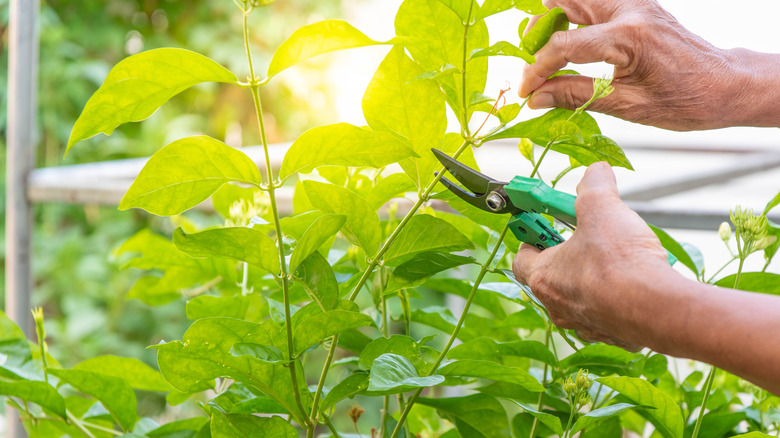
<point x="526" y="199"/>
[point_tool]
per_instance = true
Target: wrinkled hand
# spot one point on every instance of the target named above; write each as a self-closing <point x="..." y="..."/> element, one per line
<point x="586" y="282"/>
<point x="664" y="75"/>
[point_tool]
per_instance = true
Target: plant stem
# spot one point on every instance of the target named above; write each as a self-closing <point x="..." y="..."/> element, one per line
<point x="283" y="276"/>
<point x="76" y="422"/>
<point x="454" y="334"/>
<point x="547" y="337"/>
<point x="707" y="388"/>
<point x="466" y="26"/>
<point x="722" y="268"/>
<point x="574" y="409"/>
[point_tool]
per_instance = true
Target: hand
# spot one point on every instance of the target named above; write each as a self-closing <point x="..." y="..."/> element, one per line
<point x="586" y="282"/>
<point x="664" y="75"/>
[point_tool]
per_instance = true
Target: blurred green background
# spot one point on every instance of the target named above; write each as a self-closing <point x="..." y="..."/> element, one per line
<point x="78" y="284"/>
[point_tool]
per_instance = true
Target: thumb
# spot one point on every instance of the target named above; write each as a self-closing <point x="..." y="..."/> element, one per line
<point x="525" y="260"/>
<point x="596" y="192"/>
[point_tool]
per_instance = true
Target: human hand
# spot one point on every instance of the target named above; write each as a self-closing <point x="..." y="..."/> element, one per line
<point x="664" y="75"/>
<point x="588" y="282"/>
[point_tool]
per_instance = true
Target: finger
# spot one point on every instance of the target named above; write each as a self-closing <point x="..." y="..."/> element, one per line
<point x="578" y="46"/>
<point x="567" y="91"/>
<point x="599" y="181"/>
<point x="530" y="24"/>
<point x="524" y="262"/>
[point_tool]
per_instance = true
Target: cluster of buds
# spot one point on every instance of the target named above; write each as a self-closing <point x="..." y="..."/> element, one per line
<point x="751" y="229"/>
<point x="602" y="87"/>
<point x="577" y="388"/>
<point x="245" y="213"/>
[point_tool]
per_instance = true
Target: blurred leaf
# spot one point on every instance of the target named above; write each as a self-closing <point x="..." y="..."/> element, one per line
<point x="677" y="250"/>
<point x="319" y="327"/>
<point x="347" y="387"/>
<point x="316" y="39"/>
<point x="245" y="426"/>
<point x="113" y="392"/>
<point x="492" y="221"/>
<point x="322" y="229"/>
<point x="597" y="415"/>
<point x="185" y="173"/>
<point x="229" y="194"/>
<point x="538" y="129"/>
<point x="532" y="7"/>
<point x="9" y="329"/>
<point x="392" y="186"/>
<point x="771" y="204"/>
<point x="553" y="21"/>
<point x="491" y="370"/>
<point x="342" y="144"/>
<point x="603" y="359"/>
<point x="250" y="307"/>
<point x="140" y="84"/>
<point x="421" y="267"/>
<point x="475" y="416"/>
<point x="503" y="48"/>
<point x="549" y="420"/>
<point x="174" y="429"/>
<point x="417" y="112"/>
<point x="40" y="393"/>
<point x="718" y="423"/>
<point x="489" y="350"/>
<point x="666" y="415"/>
<point x="16" y="360"/>
<point x="462" y="8"/>
<point x="319" y="281"/>
<point x="764" y="282"/>
<point x="394" y="374"/>
<point x="362" y="226"/>
<point x="423" y="233"/>
<point x="134" y="372"/>
<point x="237" y="243"/>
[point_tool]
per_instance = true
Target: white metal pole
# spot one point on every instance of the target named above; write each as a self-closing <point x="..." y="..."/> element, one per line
<point x="22" y="106"/>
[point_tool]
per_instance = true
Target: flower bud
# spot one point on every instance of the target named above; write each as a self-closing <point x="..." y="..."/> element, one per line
<point x="355" y="413"/>
<point x="724" y="231"/>
<point x="584" y="398"/>
<point x="569" y="386"/>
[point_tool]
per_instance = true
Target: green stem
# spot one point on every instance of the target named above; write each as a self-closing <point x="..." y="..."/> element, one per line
<point x="275" y="210"/>
<point x="386" y="333"/>
<point x="466" y="26"/>
<point x="374" y="263"/>
<point x="721" y="268"/>
<point x="574" y="409"/>
<point x="547" y="337"/>
<point x="454" y="335"/>
<point x="739" y="271"/>
<point x="76" y="422"/>
<point x="707" y="388"/>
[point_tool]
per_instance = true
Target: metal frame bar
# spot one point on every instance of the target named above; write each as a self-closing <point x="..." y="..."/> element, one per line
<point x="22" y="107"/>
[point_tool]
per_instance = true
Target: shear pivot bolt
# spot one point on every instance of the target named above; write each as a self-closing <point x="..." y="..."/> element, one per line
<point x="495" y="201"/>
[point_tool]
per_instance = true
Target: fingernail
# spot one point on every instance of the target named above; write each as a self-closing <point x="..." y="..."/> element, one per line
<point x="541" y="100"/>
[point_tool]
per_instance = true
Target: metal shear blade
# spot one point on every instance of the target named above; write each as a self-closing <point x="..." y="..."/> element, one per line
<point x="486" y="193"/>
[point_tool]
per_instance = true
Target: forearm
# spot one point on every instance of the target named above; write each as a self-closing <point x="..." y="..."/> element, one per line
<point x="753" y="95"/>
<point x="731" y="329"/>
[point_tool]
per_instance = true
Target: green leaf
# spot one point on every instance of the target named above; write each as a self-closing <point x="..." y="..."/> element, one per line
<point x="597" y="415"/>
<point x="113" y="392"/>
<point x="666" y="415"/>
<point x="322" y="229"/>
<point x="603" y="359"/>
<point x="764" y="282"/>
<point x="203" y="354"/>
<point x="134" y="372"/>
<point x="491" y="370"/>
<point x="752" y="435"/>
<point x="40" y="393"/>
<point x="392" y="186"/>
<point x="492" y="7"/>
<point x="462" y="8"/>
<point x="421" y="267"/>
<point x="16" y="360"/>
<point x="549" y="420"/>
<point x="395" y="102"/>
<point x="603" y="149"/>
<point x="342" y="144"/>
<point x="423" y="233"/>
<point x="538" y="129"/>
<point x="264" y="353"/>
<point x="488" y="349"/>
<point x="316" y="39"/>
<point x="362" y="226"/>
<point x="318" y="280"/>
<point x="772" y="204"/>
<point x="394" y="374"/>
<point x="9" y="329"/>
<point x="319" y="327"/>
<point x="237" y="243"/>
<point x="140" y="84"/>
<point x="564" y="130"/>
<point x="532" y="7"/>
<point x="475" y="416"/>
<point x="185" y="173"/>
<point x="174" y="429"/>
<point x="348" y="387"/>
<point x="542" y="30"/>
<point x="503" y="48"/>
<point x="246" y="426"/>
<point x="677" y="250"/>
<point x="434" y="37"/>
<point x="401" y="345"/>
<point x="250" y="307"/>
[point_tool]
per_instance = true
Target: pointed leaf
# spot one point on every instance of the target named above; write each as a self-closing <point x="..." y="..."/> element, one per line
<point x="362" y="226"/>
<point x="140" y="84"/>
<point x="317" y="277"/>
<point x="423" y="233"/>
<point x="772" y="204"/>
<point x="488" y="349"/>
<point x="40" y="393"/>
<point x="491" y="370"/>
<point x="666" y="415"/>
<point x="136" y="373"/>
<point x="185" y="173"/>
<point x="237" y="243"/>
<point x="348" y="387"/>
<point x="598" y="415"/>
<point x="316" y="39"/>
<point x="549" y="420"/>
<point x="676" y="249"/>
<point x="421" y="267"/>
<point x="503" y="48"/>
<point x="246" y="426"/>
<point x="764" y="282"/>
<point x="538" y="129"/>
<point x="342" y="144"/>
<point x="394" y="374"/>
<point x="114" y="393"/>
<point x="324" y="325"/>
<point x="322" y="229"/>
